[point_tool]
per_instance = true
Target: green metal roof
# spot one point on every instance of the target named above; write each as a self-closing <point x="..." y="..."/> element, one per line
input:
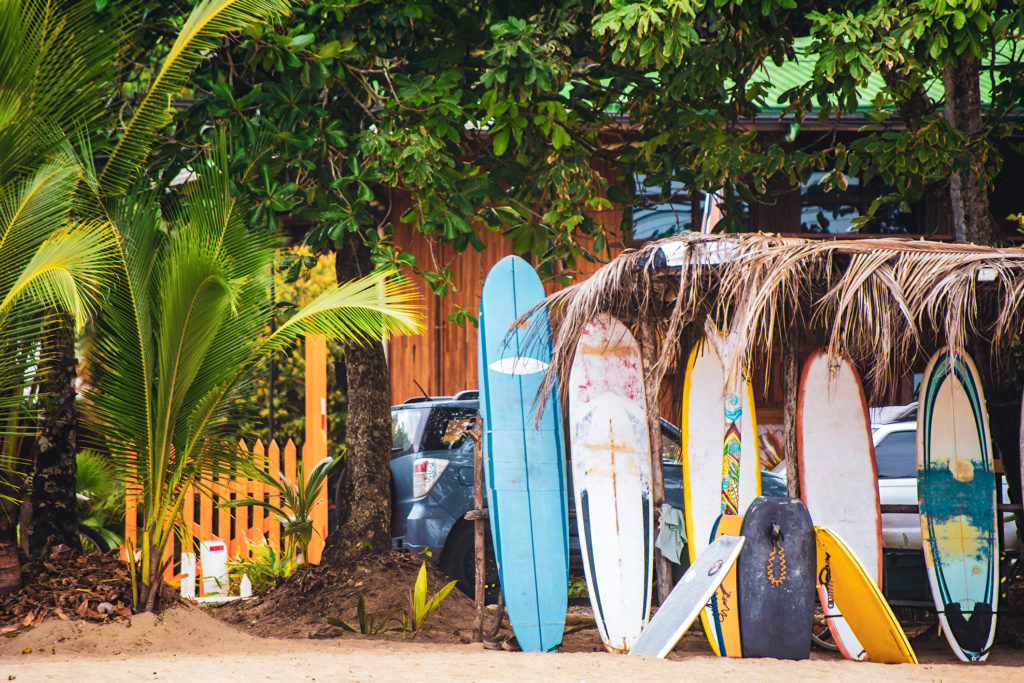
<point x="801" y="71"/>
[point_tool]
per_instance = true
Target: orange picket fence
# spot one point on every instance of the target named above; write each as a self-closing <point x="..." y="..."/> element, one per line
<point x="205" y="521"/>
<point x="237" y="526"/>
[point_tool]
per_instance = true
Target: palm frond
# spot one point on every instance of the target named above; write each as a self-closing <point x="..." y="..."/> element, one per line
<point x="31" y="210"/>
<point x="205" y="26"/>
<point x="362" y="310"/>
<point x="57" y="60"/>
<point x="880" y="300"/>
<point x="67" y="271"/>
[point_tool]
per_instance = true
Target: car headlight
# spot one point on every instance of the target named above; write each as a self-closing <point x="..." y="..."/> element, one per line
<point x="425" y="473"/>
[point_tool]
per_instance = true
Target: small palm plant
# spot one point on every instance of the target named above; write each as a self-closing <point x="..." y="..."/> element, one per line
<point x="185" y="323"/>
<point x="181" y="334"/>
<point x="295" y="502"/>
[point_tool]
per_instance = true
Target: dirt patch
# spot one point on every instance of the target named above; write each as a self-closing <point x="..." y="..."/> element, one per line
<point x="300" y="606"/>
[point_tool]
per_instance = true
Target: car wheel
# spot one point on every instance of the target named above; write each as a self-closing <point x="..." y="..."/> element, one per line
<point x="458" y="561"/>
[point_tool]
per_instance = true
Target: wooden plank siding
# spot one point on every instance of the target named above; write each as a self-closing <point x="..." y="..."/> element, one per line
<point x="443" y="358"/>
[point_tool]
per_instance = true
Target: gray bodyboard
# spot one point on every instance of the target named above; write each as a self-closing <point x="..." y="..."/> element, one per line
<point x="688" y="598"/>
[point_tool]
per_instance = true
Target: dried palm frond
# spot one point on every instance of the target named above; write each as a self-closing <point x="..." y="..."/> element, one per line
<point x="877" y="299"/>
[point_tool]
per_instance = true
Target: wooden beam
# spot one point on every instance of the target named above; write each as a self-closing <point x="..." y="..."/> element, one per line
<point x="790" y="387"/>
<point x="652" y="387"/>
<point x="479" y="515"/>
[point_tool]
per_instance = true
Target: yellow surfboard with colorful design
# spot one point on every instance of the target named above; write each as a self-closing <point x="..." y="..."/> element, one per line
<point x="857" y="598"/>
<point x="721" y="463"/>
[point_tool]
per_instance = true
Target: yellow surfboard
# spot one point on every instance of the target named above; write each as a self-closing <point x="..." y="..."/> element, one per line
<point x="842" y="579"/>
<point x="721" y="617"/>
<point x="718" y="421"/>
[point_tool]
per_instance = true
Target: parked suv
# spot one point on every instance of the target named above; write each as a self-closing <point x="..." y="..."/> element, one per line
<point x="432" y="484"/>
<point x="895" y="455"/>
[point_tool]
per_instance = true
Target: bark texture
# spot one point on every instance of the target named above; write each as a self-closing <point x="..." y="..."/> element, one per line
<point x="54" y="513"/>
<point x="364" y="492"/>
<point x="968" y="195"/>
<point x="10" y="557"/>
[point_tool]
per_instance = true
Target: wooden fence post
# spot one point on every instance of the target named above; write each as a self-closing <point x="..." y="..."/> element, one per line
<point x="315" y="447"/>
<point x="790" y="387"/>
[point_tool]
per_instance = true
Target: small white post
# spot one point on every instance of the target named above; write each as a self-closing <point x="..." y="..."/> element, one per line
<point x="213" y="555"/>
<point x="188" y="582"/>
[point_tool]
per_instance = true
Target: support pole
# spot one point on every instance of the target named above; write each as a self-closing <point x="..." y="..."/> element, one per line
<point x="790" y="387"/>
<point x="652" y="386"/>
<point x="479" y="516"/>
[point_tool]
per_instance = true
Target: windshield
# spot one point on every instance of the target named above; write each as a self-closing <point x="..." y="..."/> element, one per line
<point x="896" y="457"/>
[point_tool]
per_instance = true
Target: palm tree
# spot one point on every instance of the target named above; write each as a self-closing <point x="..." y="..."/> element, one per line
<point x="49" y="263"/>
<point x="57" y="62"/>
<point x="181" y="334"/>
<point x="56" y="66"/>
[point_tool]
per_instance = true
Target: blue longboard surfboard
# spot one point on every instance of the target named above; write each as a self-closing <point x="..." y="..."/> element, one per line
<point x="524" y="461"/>
<point x="957" y="495"/>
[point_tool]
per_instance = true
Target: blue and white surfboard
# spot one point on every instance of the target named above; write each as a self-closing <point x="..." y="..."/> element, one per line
<point x="956" y="492"/>
<point x="524" y="461"/>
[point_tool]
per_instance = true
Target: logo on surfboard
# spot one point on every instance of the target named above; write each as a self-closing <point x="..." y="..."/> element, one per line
<point x="518" y="365"/>
<point x="714" y="568"/>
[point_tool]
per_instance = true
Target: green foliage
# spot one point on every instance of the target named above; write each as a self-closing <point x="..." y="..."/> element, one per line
<point x="369" y="624"/>
<point x="577" y="587"/>
<point x="299" y="277"/>
<point x="422" y="607"/>
<point x="265" y="566"/>
<point x="57" y="67"/>
<point x="101" y="497"/>
<point x="295" y="502"/>
<point x="202" y="31"/>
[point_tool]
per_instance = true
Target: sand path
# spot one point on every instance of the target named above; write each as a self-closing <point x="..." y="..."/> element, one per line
<point x="188" y="644"/>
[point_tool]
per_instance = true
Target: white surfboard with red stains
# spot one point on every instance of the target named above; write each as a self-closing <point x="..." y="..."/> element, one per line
<point x="611" y="466"/>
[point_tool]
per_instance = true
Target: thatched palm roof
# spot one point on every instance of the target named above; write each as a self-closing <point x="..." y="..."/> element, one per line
<point x="882" y="301"/>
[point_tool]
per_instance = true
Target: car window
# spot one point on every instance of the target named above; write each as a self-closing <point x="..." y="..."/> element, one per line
<point x="405" y="428"/>
<point x="669" y="448"/>
<point x="895" y="455"/>
<point x="438" y="426"/>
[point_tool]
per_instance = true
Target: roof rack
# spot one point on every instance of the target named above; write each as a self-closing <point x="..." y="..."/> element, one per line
<point x="467" y="395"/>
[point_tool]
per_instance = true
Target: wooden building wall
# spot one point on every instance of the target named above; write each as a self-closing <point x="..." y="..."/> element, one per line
<point x="443" y="359"/>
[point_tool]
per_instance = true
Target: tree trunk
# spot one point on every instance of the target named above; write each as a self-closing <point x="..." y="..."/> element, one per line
<point x="54" y="514"/>
<point x="10" y="557"/>
<point x="364" y="500"/>
<point x="968" y="194"/>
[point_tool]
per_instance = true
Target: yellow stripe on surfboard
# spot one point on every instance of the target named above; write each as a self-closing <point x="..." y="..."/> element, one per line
<point x="861" y="603"/>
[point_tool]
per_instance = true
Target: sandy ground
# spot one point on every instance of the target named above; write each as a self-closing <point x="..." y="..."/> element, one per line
<point x="188" y="644"/>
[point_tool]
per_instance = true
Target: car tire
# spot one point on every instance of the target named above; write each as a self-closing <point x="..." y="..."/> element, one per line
<point x="458" y="561"/>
